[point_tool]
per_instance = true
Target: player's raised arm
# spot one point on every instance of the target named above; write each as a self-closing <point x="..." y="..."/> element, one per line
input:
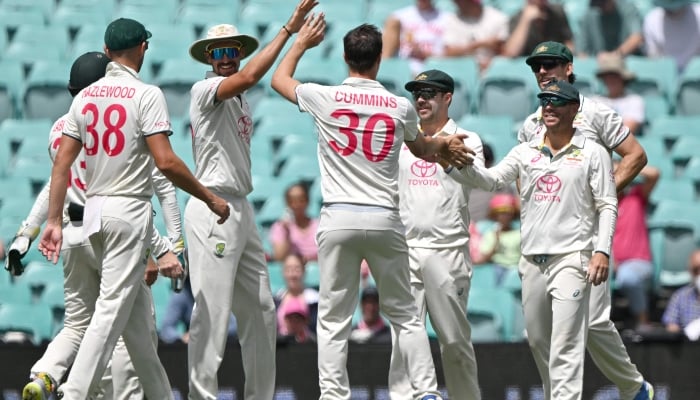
<point x="310" y="35"/>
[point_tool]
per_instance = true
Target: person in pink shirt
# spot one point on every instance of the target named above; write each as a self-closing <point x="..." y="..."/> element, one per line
<point x="296" y="322"/>
<point x="296" y="231"/>
<point x="631" y="250"/>
<point x="293" y="270"/>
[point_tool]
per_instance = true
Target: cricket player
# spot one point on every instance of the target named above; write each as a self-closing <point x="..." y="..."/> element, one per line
<point x="80" y="268"/>
<point x="567" y="189"/>
<point x="434" y="208"/>
<point x="551" y="61"/>
<point x="123" y="124"/>
<point x="361" y="127"/>
<point x="228" y="270"/>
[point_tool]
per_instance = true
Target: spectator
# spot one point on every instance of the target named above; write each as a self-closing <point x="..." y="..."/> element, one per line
<point x="179" y="311"/>
<point x="293" y="270"/>
<point x="501" y="245"/>
<point x="479" y="199"/>
<point x="371" y="328"/>
<point x="295" y="232"/>
<point x="671" y="29"/>
<point x="610" y="26"/>
<point x="415" y="32"/>
<point x="296" y="322"/>
<point x="615" y="76"/>
<point x="476" y="30"/>
<point x="631" y="250"/>
<point x="683" y="311"/>
<point x="536" y="22"/>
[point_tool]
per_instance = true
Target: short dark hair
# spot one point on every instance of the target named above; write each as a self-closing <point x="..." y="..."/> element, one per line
<point x="363" y="47"/>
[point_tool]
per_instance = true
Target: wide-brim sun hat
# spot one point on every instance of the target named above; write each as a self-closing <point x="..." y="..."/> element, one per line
<point x="220" y="32"/>
<point x="614" y="64"/>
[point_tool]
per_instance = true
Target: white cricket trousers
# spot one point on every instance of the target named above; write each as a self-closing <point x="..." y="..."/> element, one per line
<point x="341" y="250"/>
<point x="228" y="273"/>
<point x="555" y="298"/>
<point x="440" y="283"/>
<point x="81" y="284"/>
<point x="124" y="305"/>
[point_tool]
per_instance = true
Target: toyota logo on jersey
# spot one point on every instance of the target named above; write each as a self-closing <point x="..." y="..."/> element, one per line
<point x="423" y="169"/>
<point x="548" y="186"/>
<point x="245" y="128"/>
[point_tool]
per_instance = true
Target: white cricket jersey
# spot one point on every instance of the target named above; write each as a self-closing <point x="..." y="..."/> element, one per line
<point x="76" y="183"/>
<point x="221" y="132"/>
<point x="595" y="120"/>
<point x="434" y="206"/>
<point x="563" y="198"/>
<point x="361" y="127"/>
<point x="111" y="118"/>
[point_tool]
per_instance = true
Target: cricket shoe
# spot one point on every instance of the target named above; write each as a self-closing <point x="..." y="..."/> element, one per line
<point x="646" y="392"/>
<point x="38" y="389"/>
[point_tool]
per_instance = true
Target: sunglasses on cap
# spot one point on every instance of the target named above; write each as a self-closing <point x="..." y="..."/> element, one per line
<point x="219" y="53"/>
<point x="425" y="93"/>
<point x="554" y="101"/>
<point x="546" y="64"/>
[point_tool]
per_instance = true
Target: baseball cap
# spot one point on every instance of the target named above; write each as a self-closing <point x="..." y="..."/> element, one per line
<point x="125" y="33"/>
<point x="87" y="69"/>
<point x="561" y="89"/>
<point x="550" y="50"/>
<point x="296" y="306"/>
<point x="433" y="78"/>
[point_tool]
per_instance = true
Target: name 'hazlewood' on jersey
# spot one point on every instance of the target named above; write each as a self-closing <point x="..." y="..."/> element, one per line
<point x="109" y="91"/>
<point x="365" y="99"/>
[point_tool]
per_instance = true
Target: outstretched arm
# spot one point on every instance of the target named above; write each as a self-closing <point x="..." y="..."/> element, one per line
<point x="310" y="35"/>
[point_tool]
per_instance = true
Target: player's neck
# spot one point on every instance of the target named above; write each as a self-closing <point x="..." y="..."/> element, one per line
<point x="430" y="128"/>
<point x="557" y="139"/>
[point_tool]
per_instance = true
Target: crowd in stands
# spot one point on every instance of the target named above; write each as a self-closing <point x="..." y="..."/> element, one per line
<point x="604" y="34"/>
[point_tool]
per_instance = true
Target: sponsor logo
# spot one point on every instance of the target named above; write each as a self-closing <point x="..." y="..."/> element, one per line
<point x="219" y="249"/>
<point x="576" y="293"/>
<point x="548" y="185"/>
<point x="245" y="128"/>
<point x="460" y="292"/>
<point x="423" y="169"/>
<point x="536" y="158"/>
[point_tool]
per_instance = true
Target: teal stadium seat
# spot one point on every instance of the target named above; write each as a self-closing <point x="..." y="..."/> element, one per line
<point x="14" y="17"/>
<point x="688" y="96"/>
<point x="673" y="235"/>
<point x="264" y="188"/>
<point x="692" y="172"/>
<point x="46" y="7"/>
<point x="175" y="78"/>
<point x="271" y="211"/>
<point x="338" y="10"/>
<point x="263" y="12"/>
<point x="465" y="72"/>
<point x="304" y="168"/>
<point x="295" y="146"/>
<point x="504" y="304"/>
<point x="40" y="273"/>
<point x="11" y="79"/>
<point x="587" y="82"/>
<point x="161" y="296"/>
<point x="655" y="76"/>
<point x="378" y="11"/>
<point x="494" y="130"/>
<point x="672" y="127"/>
<point x="507" y="89"/>
<point x="312" y="276"/>
<point x="73" y="16"/>
<point x="33" y="319"/>
<point x="200" y="16"/>
<point x="148" y="11"/>
<point x="673" y="189"/>
<point x="683" y="150"/>
<point x="15" y="294"/>
<point x="45" y="94"/>
<point x="486" y="321"/>
<point x="483" y="276"/>
<point x="276" y="278"/>
<point x="393" y="74"/>
<point x="90" y="37"/>
<point x="655" y="106"/>
<point x="658" y="155"/>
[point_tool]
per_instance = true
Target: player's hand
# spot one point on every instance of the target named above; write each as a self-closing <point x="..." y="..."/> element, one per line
<point x="51" y="241"/>
<point x="220" y="207"/>
<point x="296" y="21"/>
<point x="456" y="153"/>
<point x="169" y="265"/>
<point x="151" y="272"/>
<point x="598" y="269"/>
<point x="313" y="31"/>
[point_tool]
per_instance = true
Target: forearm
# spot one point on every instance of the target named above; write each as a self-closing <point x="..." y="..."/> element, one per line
<point x="513" y="47"/>
<point x="38" y="214"/>
<point x="177" y="172"/>
<point x="606" y="228"/>
<point x="628" y="168"/>
<point x="631" y="44"/>
<point x="159" y="244"/>
<point x="283" y="81"/>
<point x="165" y="191"/>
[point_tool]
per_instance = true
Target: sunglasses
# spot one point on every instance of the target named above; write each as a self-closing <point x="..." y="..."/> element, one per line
<point x="546" y="64"/>
<point x="554" y="101"/>
<point x="426" y="94"/>
<point x="230" y="52"/>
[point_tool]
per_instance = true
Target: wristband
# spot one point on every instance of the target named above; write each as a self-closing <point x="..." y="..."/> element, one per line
<point x="449" y="169"/>
<point x="164" y="253"/>
<point x="287" y="30"/>
<point x="602" y="252"/>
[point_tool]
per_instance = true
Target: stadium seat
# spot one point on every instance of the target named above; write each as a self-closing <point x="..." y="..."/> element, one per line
<point x="34" y="319"/>
<point x="199" y="16"/>
<point x="378" y="11"/>
<point x="264" y="188"/>
<point x="45" y="6"/>
<point x="14" y="17"/>
<point x="54" y="35"/>
<point x="73" y="17"/>
<point x="673" y="235"/>
<point x="483" y="276"/>
<point x="683" y="150"/>
<point x="275" y="127"/>
<point x="295" y="146"/>
<point x="161" y="292"/>
<point x="655" y="107"/>
<point x="276" y="278"/>
<point x="182" y="146"/>
<point x="692" y="171"/>
<point x="587" y="82"/>
<point x="158" y="12"/>
<point x="672" y="127"/>
<point x="465" y="72"/>
<point x="495" y="130"/>
<point x="312" y="276"/>
<point x="271" y="211"/>
<point x="41" y="275"/>
<point x="511" y="282"/>
<point x="273" y="107"/>
<point x="330" y="71"/>
<point x="393" y="75"/>
<point x="45" y="94"/>
<point x="336" y="10"/>
<point x="507" y="89"/>
<point x="175" y="78"/>
<point x="673" y="189"/>
<point x="657" y="76"/>
<point x="504" y="304"/>
<point x="299" y="168"/>
<point x="261" y="13"/>
<point x="688" y="95"/>
<point x="11" y="80"/>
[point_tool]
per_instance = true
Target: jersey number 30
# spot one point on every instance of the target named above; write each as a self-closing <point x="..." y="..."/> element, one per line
<point x="367" y="134"/>
<point x="112" y="139"/>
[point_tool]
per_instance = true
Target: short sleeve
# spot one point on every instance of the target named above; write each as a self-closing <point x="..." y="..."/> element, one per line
<point x="203" y="93"/>
<point x="154" y="112"/>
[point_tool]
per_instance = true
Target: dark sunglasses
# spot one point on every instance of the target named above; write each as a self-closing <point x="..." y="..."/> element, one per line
<point x="230" y="52"/>
<point x="426" y="94"/>
<point x="554" y="101"/>
<point x="546" y="64"/>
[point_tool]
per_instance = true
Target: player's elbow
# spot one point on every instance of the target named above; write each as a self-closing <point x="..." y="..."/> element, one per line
<point x="167" y="164"/>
